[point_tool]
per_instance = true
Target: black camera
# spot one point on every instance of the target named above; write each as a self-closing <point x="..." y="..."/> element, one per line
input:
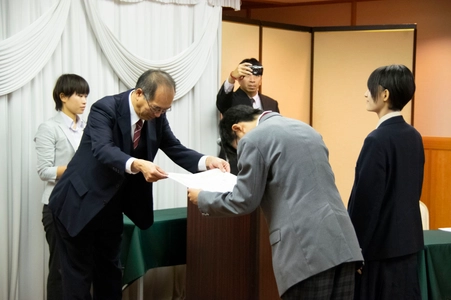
<point x="257" y="70"/>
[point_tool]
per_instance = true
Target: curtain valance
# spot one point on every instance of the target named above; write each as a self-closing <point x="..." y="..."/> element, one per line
<point x="23" y="55"/>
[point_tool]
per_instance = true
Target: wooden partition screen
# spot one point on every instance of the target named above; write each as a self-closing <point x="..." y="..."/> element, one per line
<point x="286" y="57"/>
<point x="343" y="59"/>
<point x="436" y="192"/>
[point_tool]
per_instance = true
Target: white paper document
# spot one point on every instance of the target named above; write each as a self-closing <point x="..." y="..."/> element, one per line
<point x="446" y="229"/>
<point x="212" y="180"/>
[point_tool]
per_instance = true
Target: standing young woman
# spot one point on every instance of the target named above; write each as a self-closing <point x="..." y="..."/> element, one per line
<point x="384" y="202"/>
<point x="57" y="139"/>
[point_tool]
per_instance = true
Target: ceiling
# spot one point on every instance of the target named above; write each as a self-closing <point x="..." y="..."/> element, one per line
<point x="251" y="4"/>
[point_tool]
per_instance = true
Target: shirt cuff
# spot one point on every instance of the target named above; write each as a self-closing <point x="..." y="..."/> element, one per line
<point x="128" y="166"/>
<point x="228" y="87"/>
<point x="202" y="166"/>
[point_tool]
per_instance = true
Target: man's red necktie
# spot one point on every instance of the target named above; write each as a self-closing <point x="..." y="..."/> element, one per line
<point x="137" y="133"/>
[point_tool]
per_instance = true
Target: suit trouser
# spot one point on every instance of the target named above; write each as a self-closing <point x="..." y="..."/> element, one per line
<point x="337" y="283"/>
<point x="93" y="256"/>
<point x="392" y="278"/>
<point x="54" y="284"/>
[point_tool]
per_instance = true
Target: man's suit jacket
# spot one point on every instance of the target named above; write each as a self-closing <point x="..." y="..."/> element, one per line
<point x="225" y="101"/>
<point x="283" y="167"/>
<point x="384" y="201"/>
<point x="97" y="171"/>
<point x="55" y="146"/>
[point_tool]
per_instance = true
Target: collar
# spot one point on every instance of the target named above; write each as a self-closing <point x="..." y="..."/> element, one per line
<point x="133" y="116"/>
<point x="70" y="123"/>
<point x="264" y="113"/>
<point x="388" y="116"/>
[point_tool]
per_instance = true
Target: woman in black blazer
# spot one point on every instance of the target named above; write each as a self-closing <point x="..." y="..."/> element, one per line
<point x="384" y="201"/>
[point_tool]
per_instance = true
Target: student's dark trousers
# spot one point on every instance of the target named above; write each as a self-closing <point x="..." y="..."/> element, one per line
<point x="54" y="283"/>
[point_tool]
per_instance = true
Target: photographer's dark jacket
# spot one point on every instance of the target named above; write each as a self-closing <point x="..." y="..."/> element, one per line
<point x="225" y="101"/>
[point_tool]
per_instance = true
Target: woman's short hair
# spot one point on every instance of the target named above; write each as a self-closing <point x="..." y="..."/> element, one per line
<point x="398" y="80"/>
<point x="69" y="84"/>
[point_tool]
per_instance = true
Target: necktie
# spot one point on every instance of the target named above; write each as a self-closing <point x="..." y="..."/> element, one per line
<point x="137" y="133"/>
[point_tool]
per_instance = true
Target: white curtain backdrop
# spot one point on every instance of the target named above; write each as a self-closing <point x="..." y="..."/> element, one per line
<point x="109" y="43"/>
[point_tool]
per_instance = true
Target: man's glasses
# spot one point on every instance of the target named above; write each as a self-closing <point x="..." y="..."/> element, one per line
<point x="158" y="110"/>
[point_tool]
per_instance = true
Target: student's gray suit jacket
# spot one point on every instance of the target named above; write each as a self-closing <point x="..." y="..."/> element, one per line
<point x="283" y="167"/>
<point x="55" y="146"/>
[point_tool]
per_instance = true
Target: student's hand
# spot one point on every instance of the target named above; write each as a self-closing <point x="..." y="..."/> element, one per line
<point x="150" y="171"/>
<point x="193" y="194"/>
<point x="213" y="162"/>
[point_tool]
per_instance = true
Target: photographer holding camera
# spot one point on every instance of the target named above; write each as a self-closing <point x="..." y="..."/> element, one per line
<point x="249" y="76"/>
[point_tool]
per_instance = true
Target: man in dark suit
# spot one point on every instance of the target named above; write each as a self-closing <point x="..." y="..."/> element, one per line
<point x="102" y="181"/>
<point x="384" y="201"/>
<point x="249" y="76"/>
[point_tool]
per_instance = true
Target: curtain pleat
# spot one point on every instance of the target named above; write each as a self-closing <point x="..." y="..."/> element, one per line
<point x="235" y="4"/>
<point x="186" y="67"/>
<point x="23" y="55"/>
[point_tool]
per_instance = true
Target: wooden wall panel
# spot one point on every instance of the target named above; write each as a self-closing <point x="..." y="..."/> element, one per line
<point x="437" y="181"/>
<point x="221" y="257"/>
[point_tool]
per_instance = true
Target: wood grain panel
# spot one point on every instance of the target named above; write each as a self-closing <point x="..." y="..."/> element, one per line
<point x="221" y="257"/>
<point x="436" y="192"/>
<point x="266" y="280"/>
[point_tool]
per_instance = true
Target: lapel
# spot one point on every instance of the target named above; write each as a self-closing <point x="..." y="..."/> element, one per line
<point x="61" y="123"/>
<point x="123" y="120"/>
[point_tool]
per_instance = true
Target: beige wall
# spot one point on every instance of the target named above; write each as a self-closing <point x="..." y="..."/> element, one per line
<point x="249" y="41"/>
<point x="286" y="56"/>
<point x="432" y="108"/>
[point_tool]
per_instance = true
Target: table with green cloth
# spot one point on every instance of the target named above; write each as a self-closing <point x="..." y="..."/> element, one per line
<point x="435" y="265"/>
<point x="162" y="245"/>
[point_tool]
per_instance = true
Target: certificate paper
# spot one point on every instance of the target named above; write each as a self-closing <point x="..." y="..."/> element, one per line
<point x="212" y="180"/>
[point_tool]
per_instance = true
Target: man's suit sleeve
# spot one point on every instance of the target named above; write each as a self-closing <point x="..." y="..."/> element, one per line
<point x="102" y="122"/>
<point x="223" y="100"/>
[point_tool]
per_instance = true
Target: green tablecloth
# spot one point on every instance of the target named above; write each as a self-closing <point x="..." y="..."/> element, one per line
<point x="435" y="265"/>
<point x="163" y="244"/>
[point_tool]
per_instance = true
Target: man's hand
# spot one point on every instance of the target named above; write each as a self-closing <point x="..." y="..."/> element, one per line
<point x="217" y="163"/>
<point x="240" y="71"/>
<point x="193" y="194"/>
<point x="150" y="171"/>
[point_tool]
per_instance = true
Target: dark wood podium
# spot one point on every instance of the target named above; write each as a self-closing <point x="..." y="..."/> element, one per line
<point x="228" y="258"/>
